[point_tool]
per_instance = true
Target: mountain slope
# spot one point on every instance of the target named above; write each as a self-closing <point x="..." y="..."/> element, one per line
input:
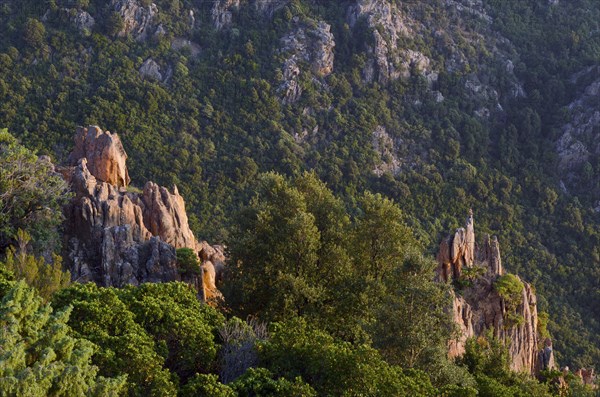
<point x="441" y="105"/>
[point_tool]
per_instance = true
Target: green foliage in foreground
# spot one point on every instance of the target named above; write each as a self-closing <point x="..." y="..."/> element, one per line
<point x="39" y="356"/>
<point x="47" y="278"/>
<point x="336" y="368"/>
<point x="159" y="340"/>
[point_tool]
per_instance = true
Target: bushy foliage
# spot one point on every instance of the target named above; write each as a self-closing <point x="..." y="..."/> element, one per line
<point x="260" y="382"/>
<point x="510" y="288"/>
<point x="206" y="385"/>
<point x="99" y="316"/>
<point x="488" y="360"/>
<point x="188" y="261"/>
<point x="183" y="329"/>
<point x="31" y="196"/>
<point x="40" y="357"/>
<point x="47" y="278"/>
<point x="336" y="368"/>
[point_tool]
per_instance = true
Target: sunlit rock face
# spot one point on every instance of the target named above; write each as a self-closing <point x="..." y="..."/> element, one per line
<point x="477" y="307"/>
<point x="116" y="237"/>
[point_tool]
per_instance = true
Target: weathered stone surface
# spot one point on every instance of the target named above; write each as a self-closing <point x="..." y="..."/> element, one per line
<point x="311" y="45"/>
<point x="587" y="376"/>
<point x="83" y="21"/>
<point x="151" y="70"/>
<point x="579" y="142"/>
<point x="322" y="52"/>
<point x="137" y="19"/>
<point x="457" y="251"/>
<point x="546" y="356"/>
<point x="463" y="318"/>
<point x="180" y="43"/>
<point x="489" y="255"/>
<point x="385" y="147"/>
<point x="384" y="19"/>
<point x="268" y="7"/>
<point x="104" y="153"/>
<point x="479" y="308"/>
<point x="114" y="237"/>
<point x="164" y="215"/>
<point x="222" y="12"/>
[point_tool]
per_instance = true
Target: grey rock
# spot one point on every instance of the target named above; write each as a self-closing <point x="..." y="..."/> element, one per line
<point x="114" y="237"/>
<point x="137" y="19"/>
<point x="311" y="45"/>
<point x="384" y="146"/>
<point x="269" y="7"/>
<point x="151" y="70"/>
<point x="580" y="138"/>
<point x="222" y="13"/>
<point x="180" y="43"/>
<point x="83" y="21"/>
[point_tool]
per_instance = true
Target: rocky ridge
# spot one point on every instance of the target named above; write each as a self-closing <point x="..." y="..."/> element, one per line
<point x="306" y="47"/>
<point x="116" y="237"/>
<point x="478" y="307"/>
<point x="578" y="144"/>
<point x="137" y="18"/>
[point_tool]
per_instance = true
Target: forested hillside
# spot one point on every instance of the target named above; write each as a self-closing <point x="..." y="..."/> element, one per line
<point x="439" y="105"/>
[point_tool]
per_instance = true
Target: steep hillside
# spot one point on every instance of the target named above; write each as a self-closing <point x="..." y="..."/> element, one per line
<point x="441" y="105"/>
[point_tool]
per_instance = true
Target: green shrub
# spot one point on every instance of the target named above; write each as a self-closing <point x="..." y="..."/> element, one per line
<point x="510" y="288"/>
<point x="188" y="261"/>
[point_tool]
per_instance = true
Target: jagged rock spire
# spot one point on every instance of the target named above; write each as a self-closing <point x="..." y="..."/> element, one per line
<point x="479" y="308"/>
<point x="115" y="237"/>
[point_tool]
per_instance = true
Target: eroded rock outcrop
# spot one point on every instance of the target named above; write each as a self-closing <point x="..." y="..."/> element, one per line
<point x="105" y="155"/>
<point x="115" y="237"/>
<point x="305" y="45"/>
<point x="222" y="12"/>
<point x="83" y="21"/>
<point x="578" y="144"/>
<point x="137" y="18"/>
<point x="151" y="70"/>
<point x="385" y="147"/>
<point x="587" y="376"/>
<point x="269" y="7"/>
<point x="477" y="306"/>
<point x="389" y="24"/>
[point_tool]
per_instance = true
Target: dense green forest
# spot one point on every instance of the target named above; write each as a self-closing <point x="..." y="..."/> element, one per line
<point x="215" y="124"/>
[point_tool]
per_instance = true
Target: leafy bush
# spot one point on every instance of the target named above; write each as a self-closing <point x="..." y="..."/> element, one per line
<point x="46" y="277"/>
<point x="188" y="261"/>
<point x="31" y="196"/>
<point x="510" y="288"/>
<point x="41" y="357"/>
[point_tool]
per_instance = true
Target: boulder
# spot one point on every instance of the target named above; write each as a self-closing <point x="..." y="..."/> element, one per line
<point x="269" y="7"/>
<point x="222" y="12"/>
<point x="83" y="21"/>
<point x="151" y="70"/>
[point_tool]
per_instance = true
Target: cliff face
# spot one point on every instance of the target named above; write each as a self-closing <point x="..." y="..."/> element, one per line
<point x="305" y="45"/>
<point x="116" y="237"/>
<point x="478" y="307"/>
